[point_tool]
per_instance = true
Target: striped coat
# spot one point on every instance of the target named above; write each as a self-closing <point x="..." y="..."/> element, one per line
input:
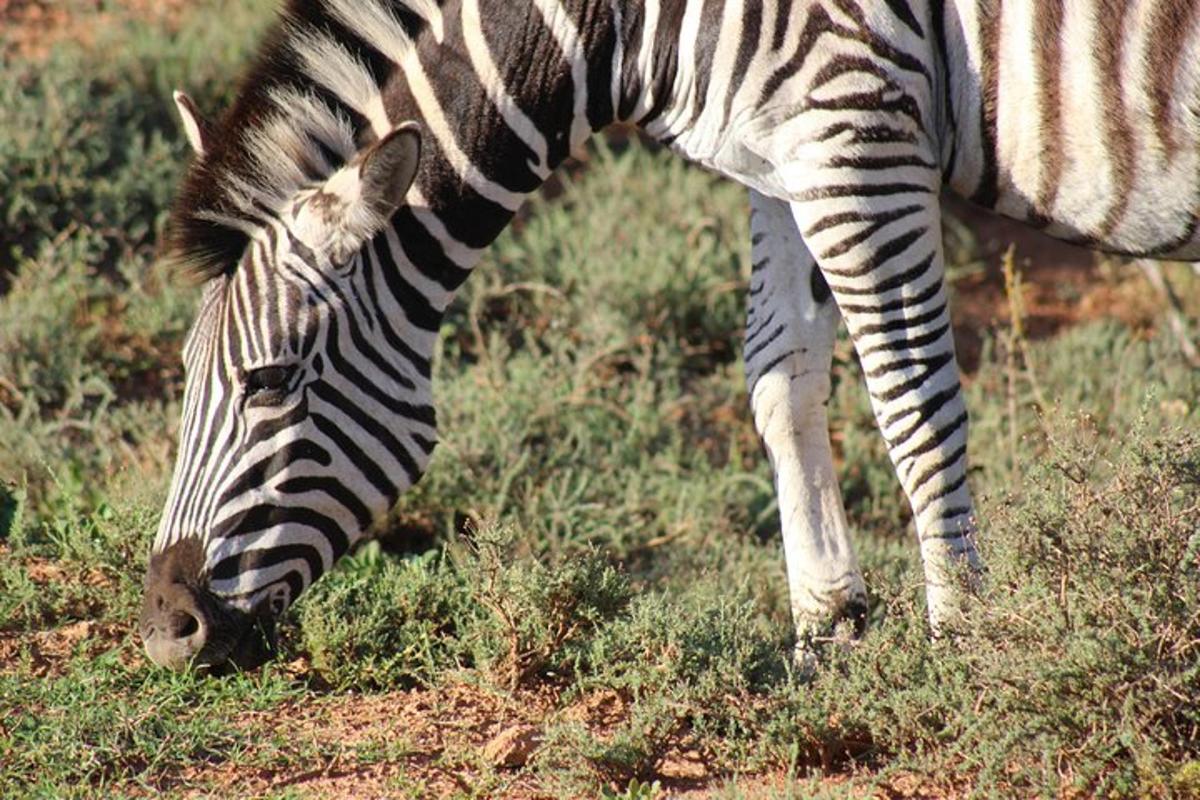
<point x="376" y="147"/>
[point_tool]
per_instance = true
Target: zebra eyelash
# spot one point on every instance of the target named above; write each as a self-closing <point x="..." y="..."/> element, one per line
<point x="269" y="385"/>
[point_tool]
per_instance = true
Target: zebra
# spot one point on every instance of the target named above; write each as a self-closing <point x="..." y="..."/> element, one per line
<point x="375" y="148"/>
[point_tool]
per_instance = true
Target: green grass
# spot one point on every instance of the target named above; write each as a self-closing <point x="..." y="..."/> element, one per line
<point x="598" y="528"/>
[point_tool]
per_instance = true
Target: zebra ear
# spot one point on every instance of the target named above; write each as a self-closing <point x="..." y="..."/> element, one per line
<point x="195" y="126"/>
<point x="389" y="167"/>
<point x="357" y="201"/>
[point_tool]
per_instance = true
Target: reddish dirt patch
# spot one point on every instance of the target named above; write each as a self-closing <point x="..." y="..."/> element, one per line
<point x="440" y="743"/>
<point x="1062" y="285"/>
<point x="46" y="652"/>
<point x="31" y="28"/>
<point x="420" y="742"/>
<point x="44" y="572"/>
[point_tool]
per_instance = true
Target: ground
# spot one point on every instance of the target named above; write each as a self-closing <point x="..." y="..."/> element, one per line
<point x="586" y="594"/>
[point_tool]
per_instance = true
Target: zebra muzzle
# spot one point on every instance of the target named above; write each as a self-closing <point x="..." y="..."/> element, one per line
<point x="174" y="626"/>
<point x="183" y="625"/>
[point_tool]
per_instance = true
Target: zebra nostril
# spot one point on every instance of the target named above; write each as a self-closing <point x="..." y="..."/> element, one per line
<point x="183" y="625"/>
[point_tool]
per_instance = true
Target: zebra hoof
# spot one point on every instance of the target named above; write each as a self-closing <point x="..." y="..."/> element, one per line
<point x="841" y="629"/>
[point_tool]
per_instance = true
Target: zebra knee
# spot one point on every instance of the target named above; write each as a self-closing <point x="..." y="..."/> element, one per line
<point x="788" y="400"/>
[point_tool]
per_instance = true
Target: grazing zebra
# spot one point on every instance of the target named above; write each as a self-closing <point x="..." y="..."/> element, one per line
<point x="376" y="148"/>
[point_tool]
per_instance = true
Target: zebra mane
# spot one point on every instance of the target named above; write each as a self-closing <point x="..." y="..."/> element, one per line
<point x="310" y="101"/>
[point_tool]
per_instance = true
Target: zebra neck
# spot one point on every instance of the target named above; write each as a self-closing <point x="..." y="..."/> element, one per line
<point x="506" y="92"/>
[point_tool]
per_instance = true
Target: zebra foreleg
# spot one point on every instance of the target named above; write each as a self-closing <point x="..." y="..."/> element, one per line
<point x="881" y="255"/>
<point x="790" y="334"/>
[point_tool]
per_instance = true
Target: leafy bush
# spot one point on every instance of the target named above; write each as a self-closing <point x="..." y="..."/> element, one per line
<point x="542" y="615"/>
<point x="91" y="141"/>
<point x="1073" y="672"/>
<point x="379" y="622"/>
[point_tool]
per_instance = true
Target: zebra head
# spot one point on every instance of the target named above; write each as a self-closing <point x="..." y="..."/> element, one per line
<point x="305" y="412"/>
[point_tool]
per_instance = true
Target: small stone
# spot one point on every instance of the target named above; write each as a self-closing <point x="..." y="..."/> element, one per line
<point x="513" y="746"/>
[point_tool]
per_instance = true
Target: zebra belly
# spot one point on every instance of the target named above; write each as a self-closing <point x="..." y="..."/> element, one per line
<point x="1091" y="127"/>
<point x="1139" y="201"/>
<point x="1162" y="222"/>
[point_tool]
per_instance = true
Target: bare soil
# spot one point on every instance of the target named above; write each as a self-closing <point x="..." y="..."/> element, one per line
<point x="49" y="649"/>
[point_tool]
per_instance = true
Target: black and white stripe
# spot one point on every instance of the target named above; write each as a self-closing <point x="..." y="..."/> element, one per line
<point x="844" y="117"/>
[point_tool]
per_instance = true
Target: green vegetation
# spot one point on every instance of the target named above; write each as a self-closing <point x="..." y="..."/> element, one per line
<point x="599" y="555"/>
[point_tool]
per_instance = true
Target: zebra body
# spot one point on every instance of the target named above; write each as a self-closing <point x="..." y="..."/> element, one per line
<point x="378" y="146"/>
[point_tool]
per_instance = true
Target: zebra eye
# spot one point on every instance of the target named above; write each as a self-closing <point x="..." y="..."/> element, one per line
<point x="269" y="384"/>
